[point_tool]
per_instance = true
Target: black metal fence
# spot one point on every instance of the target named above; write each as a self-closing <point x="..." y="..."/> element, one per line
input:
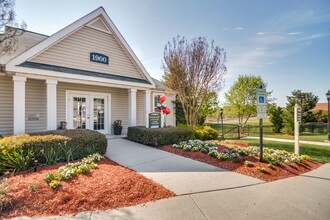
<point x="227" y="130"/>
<point x="314" y="128"/>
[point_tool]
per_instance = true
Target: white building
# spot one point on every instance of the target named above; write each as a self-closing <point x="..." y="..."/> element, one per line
<point x="85" y="74"/>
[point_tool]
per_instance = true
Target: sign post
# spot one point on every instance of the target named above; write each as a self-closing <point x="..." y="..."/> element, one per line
<point x="261" y="114"/>
<point x="297" y="120"/>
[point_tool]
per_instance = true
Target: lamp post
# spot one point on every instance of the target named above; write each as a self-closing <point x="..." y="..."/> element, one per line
<point x="221" y="116"/>
<point x="328" y="97"/>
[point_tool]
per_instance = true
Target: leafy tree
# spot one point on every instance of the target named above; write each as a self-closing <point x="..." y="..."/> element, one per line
<point x="276" y="118"/>
<point x="306" y="101"/>
<point x="242" y="97"/>
<point x="210" y="107"/>
<point x="193" y="69"/>
<point x="9" y="27"/>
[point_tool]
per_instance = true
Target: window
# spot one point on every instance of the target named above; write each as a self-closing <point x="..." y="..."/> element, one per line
<point x="156" y="101"/>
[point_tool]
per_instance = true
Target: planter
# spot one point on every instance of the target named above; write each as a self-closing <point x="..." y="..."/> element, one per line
<point x="117" y="130"/>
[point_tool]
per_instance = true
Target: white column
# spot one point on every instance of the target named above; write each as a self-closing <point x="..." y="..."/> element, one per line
<point x="51" y="104"/>
<point x="19" y="104"/>
<point x="147" y="107"/>
<point x="132" y="107"/>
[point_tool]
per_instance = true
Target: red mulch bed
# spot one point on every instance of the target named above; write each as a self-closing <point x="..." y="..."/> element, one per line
<point x="110" y="186"/>
<point x="272" y="174"/>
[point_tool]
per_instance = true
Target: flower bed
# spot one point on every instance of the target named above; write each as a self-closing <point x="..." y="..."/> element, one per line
<point x="108" y="187"/>
<point x="227" y="155"/>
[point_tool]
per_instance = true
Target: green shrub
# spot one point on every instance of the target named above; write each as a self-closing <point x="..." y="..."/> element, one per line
<point x="158" y="136"/>
<point x="81" y="143"/>
<point x="16" y="160"/>
<point x="206" y="133"/>
<point x="248" y="163"/>
<point x="24" y="146"/>
<point x="18" y="152"/>
<point x="54" y="184"/>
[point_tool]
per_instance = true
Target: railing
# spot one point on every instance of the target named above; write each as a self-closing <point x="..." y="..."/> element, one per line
<point x="226" y="130"/>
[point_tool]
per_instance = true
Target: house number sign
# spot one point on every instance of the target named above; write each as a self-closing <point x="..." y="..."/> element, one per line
<point x="99" y="58"/>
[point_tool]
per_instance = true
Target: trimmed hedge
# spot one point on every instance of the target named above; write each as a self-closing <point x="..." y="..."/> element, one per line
<point x="158" y="136"/>
<point x="82" y="142"/>
<point x="18" y="152"/>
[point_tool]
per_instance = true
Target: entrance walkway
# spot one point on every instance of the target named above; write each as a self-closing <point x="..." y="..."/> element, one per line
<point x="289" y="141"/>
<point x="179" y="174"/>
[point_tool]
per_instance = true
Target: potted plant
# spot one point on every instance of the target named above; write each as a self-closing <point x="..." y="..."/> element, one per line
<point x="117" y="127"/>
<point x="62" y="125"/>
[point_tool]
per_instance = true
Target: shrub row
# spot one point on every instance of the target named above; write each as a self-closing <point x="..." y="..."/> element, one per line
<point x="18" y="152"/>
<point x="158" y="136"/>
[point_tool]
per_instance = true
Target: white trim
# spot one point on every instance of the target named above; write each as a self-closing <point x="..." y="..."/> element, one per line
<point x="43" y="45"/>
<point x="78" y="81"/>
<point x="51" y="104"/>
<point x="153" y="99"/>
<point x="107" y="118"/>
<point x="75" y="76"/>
<point x="96" y="28"/>
<point x="132" y="107"/>
<point x="19" y="104"/>
<point x="147" y="96"/>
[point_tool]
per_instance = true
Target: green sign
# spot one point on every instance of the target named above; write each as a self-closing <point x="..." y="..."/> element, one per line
<point x="154" y="120"/>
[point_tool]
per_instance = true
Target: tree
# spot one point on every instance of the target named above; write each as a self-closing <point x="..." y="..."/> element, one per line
<point x="9" y="27"/>
<point x="276" y="118"/>
<point x="242" y="97"/>
<point x="210" y="107"/>
<point x="306" y="101"/>
<point x="193" y="70"/>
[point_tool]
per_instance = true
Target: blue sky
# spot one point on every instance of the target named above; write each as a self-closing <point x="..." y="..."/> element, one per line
<point x="286" y="42"/>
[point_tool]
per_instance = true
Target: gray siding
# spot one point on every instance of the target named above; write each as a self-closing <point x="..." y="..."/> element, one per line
<point x="6" y="105"/>
<point x="73" y="52"/>
<point x="35" y="103"/>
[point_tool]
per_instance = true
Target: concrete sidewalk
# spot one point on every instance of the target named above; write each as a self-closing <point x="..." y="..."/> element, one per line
<point x="179" y="174"/>
<point x="289" y="141"/>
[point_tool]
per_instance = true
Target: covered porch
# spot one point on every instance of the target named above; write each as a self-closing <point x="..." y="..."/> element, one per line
<point x="42" y="103"/>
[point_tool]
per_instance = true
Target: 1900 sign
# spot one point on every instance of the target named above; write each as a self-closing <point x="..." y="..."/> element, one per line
<point x="99" y="58"/>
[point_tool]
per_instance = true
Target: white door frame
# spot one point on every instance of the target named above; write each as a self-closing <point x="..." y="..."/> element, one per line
<point x="107" y="105"/>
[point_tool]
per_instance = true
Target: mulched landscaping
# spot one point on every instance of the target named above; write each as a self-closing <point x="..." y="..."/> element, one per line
<point x="110" y="186"/>
<point x="272" y="174"/>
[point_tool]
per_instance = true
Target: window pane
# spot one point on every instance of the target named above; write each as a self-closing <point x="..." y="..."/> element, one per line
<point x="98" y="114"/>
<point x="79" y="112"/>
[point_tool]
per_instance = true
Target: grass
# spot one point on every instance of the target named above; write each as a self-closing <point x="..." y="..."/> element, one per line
<point x="302" y="137"/>
<point x="317" y="153"/>
<point x="253" y="122"/>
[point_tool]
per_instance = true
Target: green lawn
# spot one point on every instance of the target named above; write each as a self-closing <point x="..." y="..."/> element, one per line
<point x="318" y="153"/>
<point x="303" y="137"/>
<point x="253" y="122"/>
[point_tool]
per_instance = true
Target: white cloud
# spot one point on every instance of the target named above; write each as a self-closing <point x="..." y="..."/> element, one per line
<point x="261" y="33"/>
<point x="315" y="36"/>
<point x="238" y="28"/>
<point x="225" y="29"/>
<point x="294" y="33"/>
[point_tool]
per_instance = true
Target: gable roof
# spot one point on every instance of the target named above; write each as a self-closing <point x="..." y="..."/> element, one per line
<point x="24" y="42"/>
<point x="320" y="106"/>
<point x="89" y="19"/>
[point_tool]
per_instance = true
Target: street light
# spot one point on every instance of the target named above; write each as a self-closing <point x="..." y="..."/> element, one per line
<point x="221" y="116"/>
<point x="328" y="97"/>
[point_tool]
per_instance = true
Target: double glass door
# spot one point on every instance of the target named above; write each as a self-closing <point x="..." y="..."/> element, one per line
<point x="88" y="112"/>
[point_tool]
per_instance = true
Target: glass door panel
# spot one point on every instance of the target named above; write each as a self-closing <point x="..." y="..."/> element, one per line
<point x="79" y="112"/>
<point x="98" y="113"/>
